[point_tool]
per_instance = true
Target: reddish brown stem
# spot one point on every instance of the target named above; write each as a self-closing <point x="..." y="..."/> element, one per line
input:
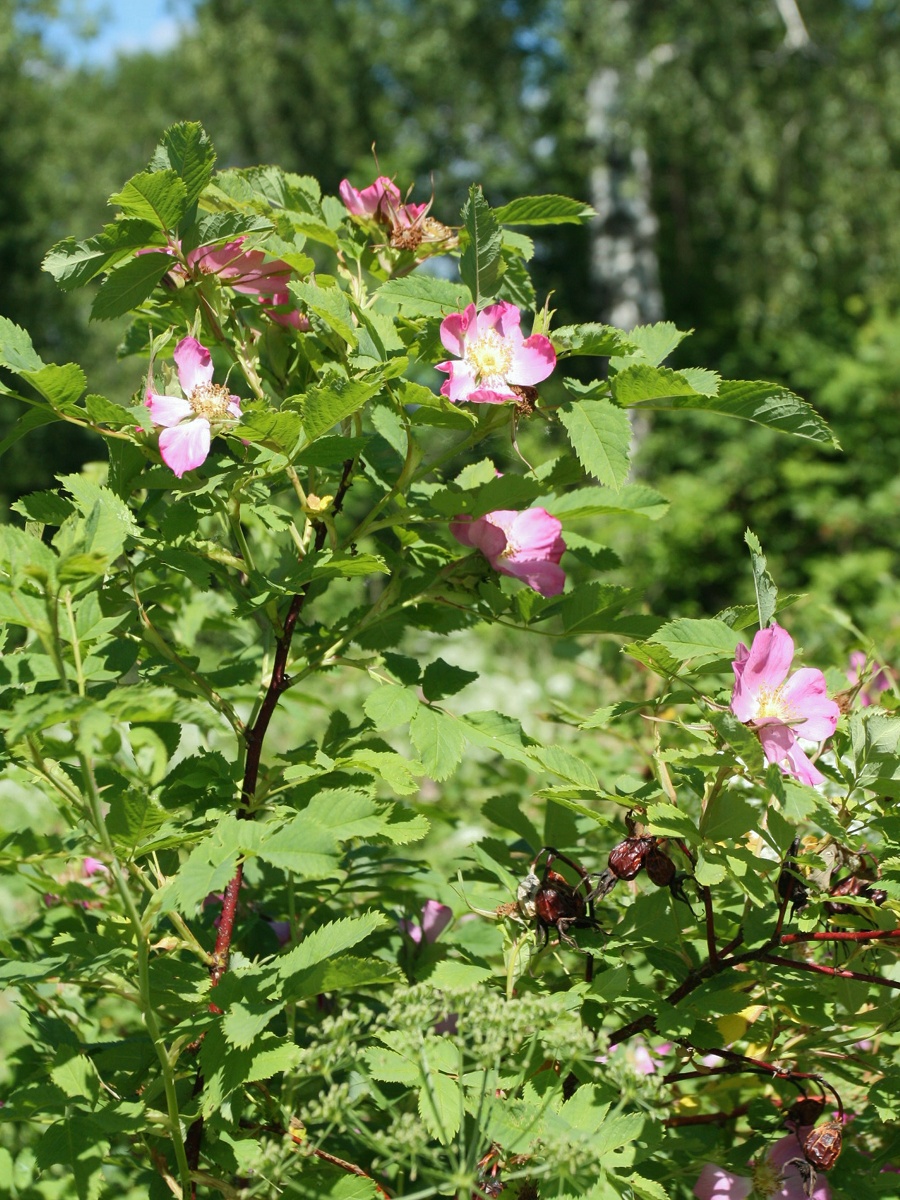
<point x="818" y="969"/>
<point x="864" y="935"/>
<point x="255" y="737"/>
<point x="710" y="926"/>
<point x="350" y="1168"/>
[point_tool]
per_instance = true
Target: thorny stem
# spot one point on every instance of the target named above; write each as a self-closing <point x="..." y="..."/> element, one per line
<point x="818" y="969"/>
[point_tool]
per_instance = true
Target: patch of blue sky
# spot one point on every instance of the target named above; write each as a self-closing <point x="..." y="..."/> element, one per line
<point x="96" y="32"/>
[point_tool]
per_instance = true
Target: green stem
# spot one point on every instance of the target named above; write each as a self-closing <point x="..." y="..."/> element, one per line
<point x="92" y="796"/>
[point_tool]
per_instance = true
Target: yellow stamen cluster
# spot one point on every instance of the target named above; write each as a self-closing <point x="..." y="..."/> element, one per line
<point x="492" y="358"/>
<point x="773" y="704"/>
<point x="210" y="400"/>
<point x="766" y="1178"/>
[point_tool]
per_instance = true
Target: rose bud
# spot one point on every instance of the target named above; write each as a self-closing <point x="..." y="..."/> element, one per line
<point x="822" y="1145"/>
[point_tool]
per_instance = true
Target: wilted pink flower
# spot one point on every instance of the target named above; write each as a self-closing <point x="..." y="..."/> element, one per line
<point x="93" y="866"/>
<point x="779" y="709"/>
<point x="188" y="420"/>
<point x="435" y="919"/>
<point x="878" y="682"/>
<point x="381" y="202"/>
<point x="525" y="544"/>
<point x="772" y="1178"/>
<point x="494" y="357"/>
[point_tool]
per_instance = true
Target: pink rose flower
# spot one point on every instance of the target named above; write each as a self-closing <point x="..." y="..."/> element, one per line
<point x="778" y="709"/>
<point x="435" y="919"/>
<point x="526" y="545"/>
<point x="380" y="201"/>
<point x="772" y="1178"/>
<point x="877" y="683"/>
<point x="246" y="271"/>
<point x="188" y="420"/>
<point x="494" y="357"/>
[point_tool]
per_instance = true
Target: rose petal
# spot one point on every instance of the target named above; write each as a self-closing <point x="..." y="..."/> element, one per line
<point x="168" y="410"/>
<point x="186" y="446"/>
<point x="194" y="364"/>
<point x="715" y="1183"/>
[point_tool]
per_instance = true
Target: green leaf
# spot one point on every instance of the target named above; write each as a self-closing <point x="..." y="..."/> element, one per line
<point x="78" y="1144"/>
<point x="128" y="286"/>
<point x="703" y="641"/>
<point x="544" y="210"/>
<point x="439" y="741"/>
<point x="187" y="150"/>
<point x="440" y="1104"/>
<point x="33" y="419"/>
<point x="16" y="351"/>
<point x="59" y="385"/>
<point x="73" y="264"/>
<point x="327" y="941"/>
<point x="155" y="196"/>
<point x="593" y="607"/>
<point x="654" y="343"/>
<point x="133" y="817"/>
<point x="667" y="820"/>
<point x="424" y="295"/>
<point x="443" y="679"/>
<point x="591" y="339"/>
<point x="391" y="705"/>
<point x="635" y="499"/>
<point x="329" y="304"/>
<point x="757" y="401"/>
<point x="766" y="591"/>
<point x="481" y="263"/>
<point x="600" y="434"/>
<point x="336" y="397"/>
<point x="728" y="817"/>
<point x="509" y="491"/>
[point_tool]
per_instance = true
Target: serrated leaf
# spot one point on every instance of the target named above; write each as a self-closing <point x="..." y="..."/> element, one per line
<point x="702" y="641"/>
<point x="128" y="286"/>
<point x="509" y="491"/>
<point x="544" y="210"/>
<point x="133" y="817"/>
<point x="635" y="499"/>
<point x="155" y="196"/>
<point x="590" y="339"/>
<point x="329" y="304"/>
<point x="654" y="343"/>
<point x="593" y="607"/>
<point x="481" y="263"/>
<point x="443" y="679"/>
<point x="16" y="351"/>
<point x="329" y="402"/>
<point x="766" y="591"/>
<point x="187" y="150"/>
<point x="667" y="820"/>
<point x="439" y="741"/>
<point x="33" y="419"/>
<point x="327" y="941"/>
<point x="440" y="1106"/>
<point x="59" y="385"/>
<point x="390" y="705"/>
<point x="73" y="264"/>
<point x="78" y="1144"/>
<point x="424" y="295"/>
<point x="600" y="434"/>
<point x="727" y="817"/>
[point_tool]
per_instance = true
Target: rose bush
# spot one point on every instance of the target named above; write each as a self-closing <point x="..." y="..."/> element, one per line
<point x="252" y="676"/>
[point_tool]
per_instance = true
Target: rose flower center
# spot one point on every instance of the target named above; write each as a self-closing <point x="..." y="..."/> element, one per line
<point x="771" y="703"/>
<point x="491" y="356"/>
<point x="210" y="400"/>
<point x="766" y="1178"/>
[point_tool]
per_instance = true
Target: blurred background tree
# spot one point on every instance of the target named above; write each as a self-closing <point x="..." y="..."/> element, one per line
<point x="743" y="160"/>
